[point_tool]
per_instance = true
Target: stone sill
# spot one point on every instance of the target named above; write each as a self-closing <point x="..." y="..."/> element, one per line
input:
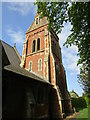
<point x="35" y="52"/>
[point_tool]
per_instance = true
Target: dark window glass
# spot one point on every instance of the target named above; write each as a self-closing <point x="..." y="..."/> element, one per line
<point x="37" y="21"/>
<point x="38" y="44"/>
<point x="33" y="46"/>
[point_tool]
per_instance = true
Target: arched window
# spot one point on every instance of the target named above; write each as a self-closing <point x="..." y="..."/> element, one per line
<point x="33" y="46"/>
<point x="30" y="66"/>
<point x="40" y="64"/>
<point x="36" y="20"/>
<point x="38" y="44"/>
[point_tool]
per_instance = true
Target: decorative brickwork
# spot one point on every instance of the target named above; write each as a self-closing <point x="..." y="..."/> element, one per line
<point x="47" y="62"/>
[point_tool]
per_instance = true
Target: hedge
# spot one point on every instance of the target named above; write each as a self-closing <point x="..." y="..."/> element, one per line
<point x="79" y="102"/>
<point x="87" y="99"/>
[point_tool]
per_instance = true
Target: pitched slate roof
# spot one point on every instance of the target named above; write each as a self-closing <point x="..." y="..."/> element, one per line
<point x="22" y="71"/>
<point x="11" y="54"/>
<point x="34" y="26"/>
<point x="14" y="63"/>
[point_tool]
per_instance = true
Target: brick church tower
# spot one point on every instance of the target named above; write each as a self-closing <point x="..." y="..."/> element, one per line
<point x="42" y="56"/>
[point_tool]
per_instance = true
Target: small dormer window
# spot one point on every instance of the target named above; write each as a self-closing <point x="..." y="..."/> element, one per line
<point x="36" y="20"/>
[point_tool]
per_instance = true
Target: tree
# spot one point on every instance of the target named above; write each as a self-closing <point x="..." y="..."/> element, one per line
<point x="87" y="99"/>
<point x="56" y="13"/>
<point x="73" y="94"/>
<point x="79" y="16"/>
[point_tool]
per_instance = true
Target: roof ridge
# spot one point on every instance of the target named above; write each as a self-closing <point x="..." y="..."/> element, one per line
<point x="24" y="72"/>
<point x="6" y="43"/>
<point x="16" y="51"/>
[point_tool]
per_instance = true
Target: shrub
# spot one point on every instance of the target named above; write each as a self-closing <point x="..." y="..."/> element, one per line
<point x="79" y="103"/>
<point x="87" y="99"/>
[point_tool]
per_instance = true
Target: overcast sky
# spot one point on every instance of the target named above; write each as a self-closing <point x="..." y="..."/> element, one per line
<point x="16" y="19"/>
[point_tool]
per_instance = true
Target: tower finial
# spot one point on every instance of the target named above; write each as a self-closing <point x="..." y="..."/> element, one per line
<point x="14" y="45"/>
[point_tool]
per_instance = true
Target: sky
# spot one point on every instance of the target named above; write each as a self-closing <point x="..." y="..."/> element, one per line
<point x="16" y="19"/>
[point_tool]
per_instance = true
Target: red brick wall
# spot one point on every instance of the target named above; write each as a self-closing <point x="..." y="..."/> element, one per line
<point x="35" y="56"/>
<point x="34" y="35"/>
<point x="55" y="58"/>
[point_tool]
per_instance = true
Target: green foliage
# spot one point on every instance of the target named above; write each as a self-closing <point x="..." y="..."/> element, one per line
<point x="79" y="103"/>
<point x="84" y="79"/>
<point x="83" y="114"/>
<point x="73" y="94"/>
<point x="79" y="16"/>
<point x="87" y="99"/>
<point x="55" y="13"/>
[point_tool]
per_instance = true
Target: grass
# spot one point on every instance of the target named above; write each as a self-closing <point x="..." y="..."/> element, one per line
<point x="83" y="113"/>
